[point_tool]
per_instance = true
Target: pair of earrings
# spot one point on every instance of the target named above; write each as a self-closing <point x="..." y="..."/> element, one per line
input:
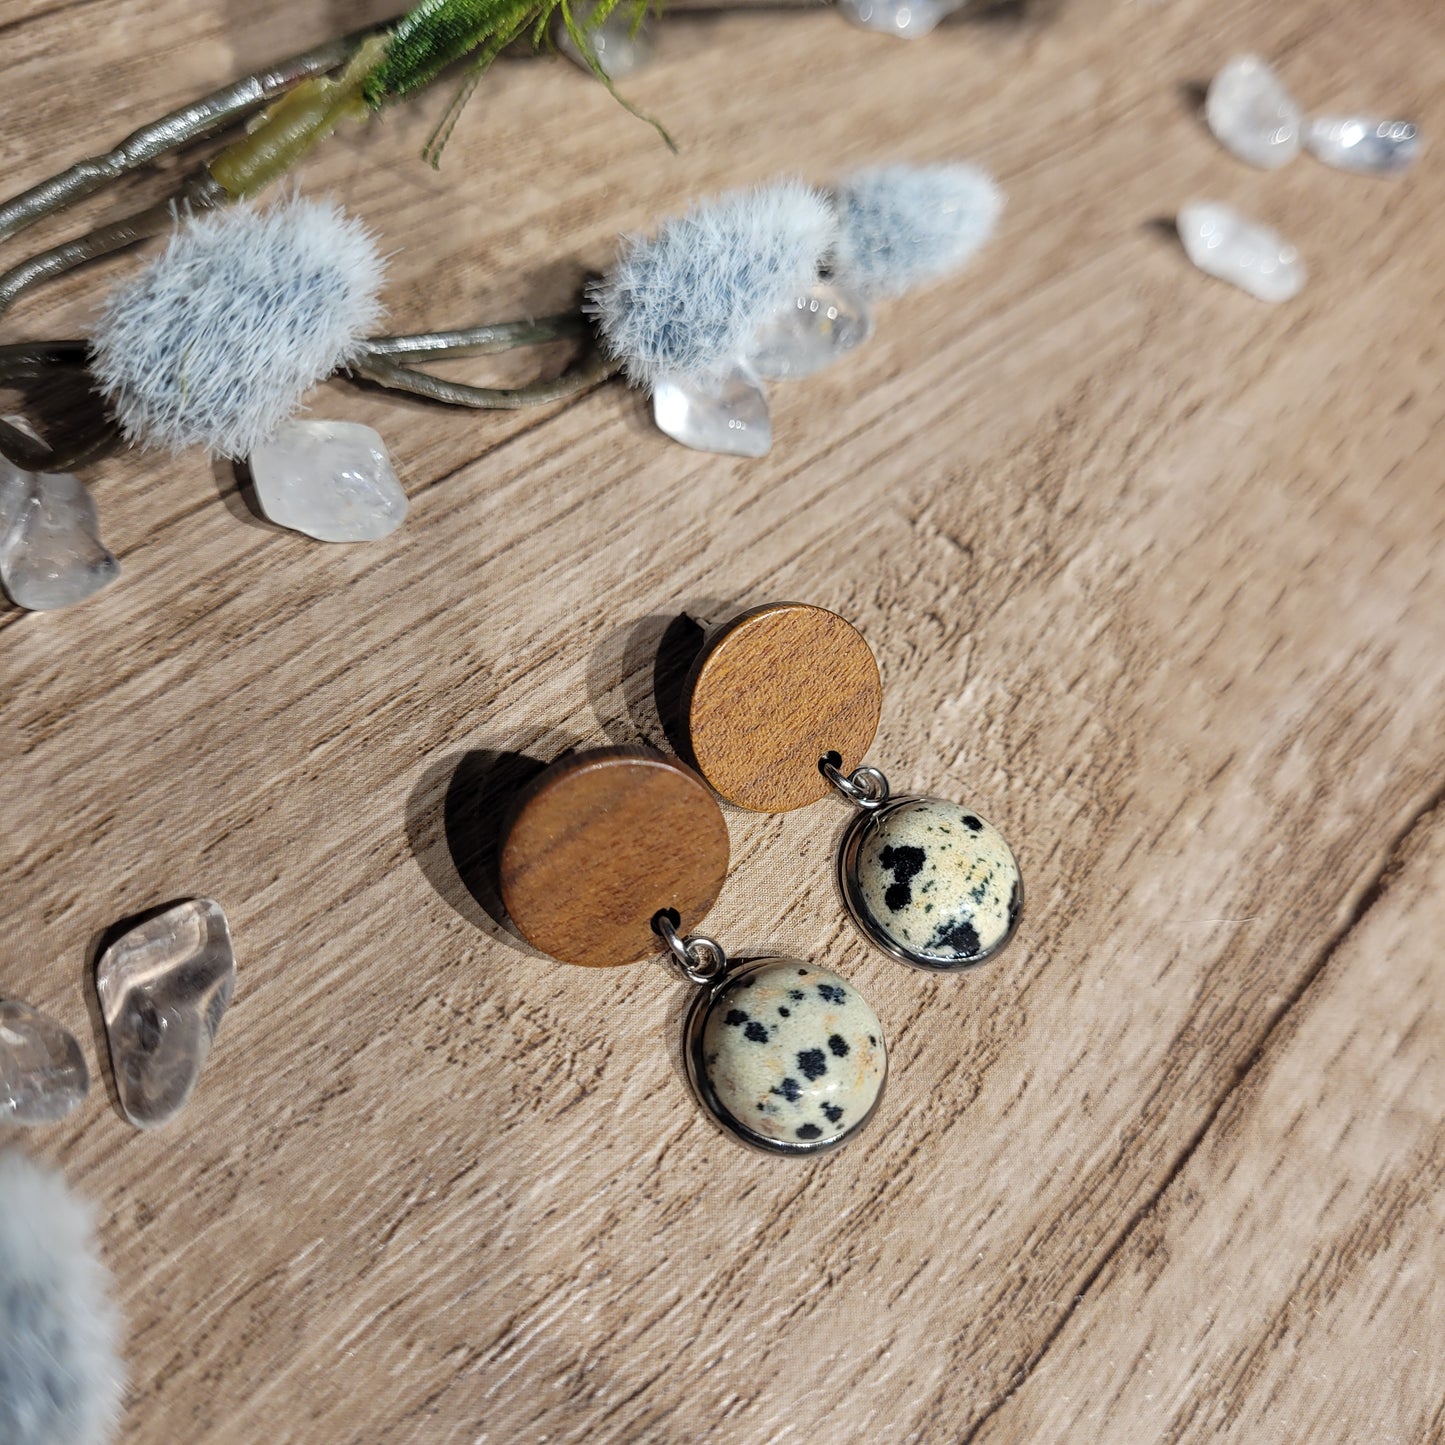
<point x="612" y="854"/>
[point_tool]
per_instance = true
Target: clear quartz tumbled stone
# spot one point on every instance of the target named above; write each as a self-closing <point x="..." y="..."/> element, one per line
<point x="729" y="415"/>
<point x="907" y="19"/>
<point x="332" y="480"/>
<point x="1252" y="115"/>
<point x="1223" y="243"/>
<point x="622" y="46"/>
<point x="43" y="1076"/>
<point x="51" y="554"/>
<point x="811" y="332"/>
<point x="164" y="986"/>
<point x="1363" y="143"/>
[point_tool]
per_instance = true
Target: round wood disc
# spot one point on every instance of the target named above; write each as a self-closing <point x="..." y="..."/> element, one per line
<point x="600" y="843"/>
<point x="774" y="690"/>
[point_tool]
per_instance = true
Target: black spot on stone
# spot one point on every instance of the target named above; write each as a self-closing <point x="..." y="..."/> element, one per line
<point x="809" y="1131"/>
<point x="786" y="1013"/>
<point x="833" y="1112"/>
<point x="789" y="1089"/>
<point x="812" y="1064"/>
<point x="832" y="993"/>
<point x="797" y="995"/>
<point x="960" y="937"/>
<point x="802" y="973"/>
<point x="974" y="825"/>
<point x="872" y="1041"/>
<point x="735" y="1016"/>
<point x="838" y="1046"/>
<point x="905" y="863"/>
<point x="757" y="1032"/>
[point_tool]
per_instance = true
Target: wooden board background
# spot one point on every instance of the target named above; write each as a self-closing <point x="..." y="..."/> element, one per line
<point x="1154" y="576"/>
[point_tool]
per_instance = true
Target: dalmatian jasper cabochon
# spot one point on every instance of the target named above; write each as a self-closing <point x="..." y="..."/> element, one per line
<point x="789" y="1056"/>
<point x="934" y="881"/>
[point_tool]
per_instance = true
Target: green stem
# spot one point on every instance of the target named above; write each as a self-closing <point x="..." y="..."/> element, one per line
<point x="306" y="114"/>
<point x="202" y="118"/>
<point x="479" y="340"/>
<point x="382" y="61"/>
<point x="300" y="120"/>
<point x="106" y="240"/>
<point x="435" y="33"/>
<point x="42" y="360"/>
<point x="593" y="368"/>
<point x="588" y="51"/>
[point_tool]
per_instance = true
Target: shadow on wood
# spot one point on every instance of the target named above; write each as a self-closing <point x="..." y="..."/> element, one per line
<point x="454" y="821"/>
<point x="237" y="490"/>
<point x="636" y="679"/>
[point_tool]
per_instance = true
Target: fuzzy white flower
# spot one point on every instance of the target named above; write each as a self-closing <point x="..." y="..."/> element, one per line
<point x="60" y="1380"/>
<point x="903" y="226"/>
<point x="217" y="340"/>
<point x="688" y="303"/>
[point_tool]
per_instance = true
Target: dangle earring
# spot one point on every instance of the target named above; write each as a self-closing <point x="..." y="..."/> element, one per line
<point x="617" y="853"/>
<point x="780" y="707"/>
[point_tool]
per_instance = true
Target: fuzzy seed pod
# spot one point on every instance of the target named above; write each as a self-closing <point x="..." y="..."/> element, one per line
<point x="903" y="226"/>
<point x="60" y="1379"/>
<point x="688" y="303"/>
<point x="216" y="342"/>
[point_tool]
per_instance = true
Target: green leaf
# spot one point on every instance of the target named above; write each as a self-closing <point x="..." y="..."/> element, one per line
<point x="589" y="53"/>
<point x="437" y="33"/>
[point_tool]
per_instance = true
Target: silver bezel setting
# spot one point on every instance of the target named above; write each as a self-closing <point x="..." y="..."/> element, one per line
<point x="692" y="1050"/>
<point x="851" y="893"/>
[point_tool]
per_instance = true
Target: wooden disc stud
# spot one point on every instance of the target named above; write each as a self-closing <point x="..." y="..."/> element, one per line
<point x="775" y="690"/>
<point x="600" y="843"/>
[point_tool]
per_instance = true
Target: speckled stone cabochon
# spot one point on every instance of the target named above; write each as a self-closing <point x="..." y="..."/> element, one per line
<point x="938" y="881"/>
<point x="793" y="1054"/>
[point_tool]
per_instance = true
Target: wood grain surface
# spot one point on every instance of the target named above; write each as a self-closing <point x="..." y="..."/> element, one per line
<point x="772" y="693"/>
<point x="1154" y="576"/>
<point x="603" y="841"/>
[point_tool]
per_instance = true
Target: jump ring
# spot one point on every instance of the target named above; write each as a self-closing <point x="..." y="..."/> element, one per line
<point x="867" y="787"/>
<point x="701" y="959"/>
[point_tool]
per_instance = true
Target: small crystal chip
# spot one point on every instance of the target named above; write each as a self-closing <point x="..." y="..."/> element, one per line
<point x="51" y="554"/>
<point x="622" y="45"/>
<point x="1223" y="243"/>
<point x="810" y="332"/>
<point x="907" y="19"/>
<point x="729" y="415"/>
<point x="43" y="1076"/>
<point x="164" y="986"/>
<point x="331" y="480"/>
<point x="1252" y="115"/>
<point x="1363" y="143"/>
